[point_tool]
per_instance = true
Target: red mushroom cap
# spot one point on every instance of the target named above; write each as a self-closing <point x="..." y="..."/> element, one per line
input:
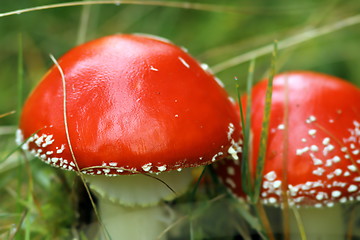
<point x="134" y="103"/>
<point x="323" y="153"/>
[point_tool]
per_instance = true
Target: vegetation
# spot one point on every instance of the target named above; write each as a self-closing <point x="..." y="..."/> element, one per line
<point x="39" y="202"/>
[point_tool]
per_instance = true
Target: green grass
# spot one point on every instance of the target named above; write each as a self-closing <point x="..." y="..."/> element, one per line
<point x="38" y="202"/>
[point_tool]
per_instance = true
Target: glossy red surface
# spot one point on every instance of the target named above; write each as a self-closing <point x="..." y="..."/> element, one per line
<point x="314" y="140"/>
<point x="133" y="102"/>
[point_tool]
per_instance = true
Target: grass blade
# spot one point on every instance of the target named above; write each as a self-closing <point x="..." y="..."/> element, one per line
<point x="13" y="233"/>
<point x="299" y="224"/>
<point x="264" y="130"/>
<point x="171" y="4"/>
<point x="7" y="114"/>
<point x="288" y="42"/>
<point x="284" y="186"/>
<point x="97" y="214"/>
<point x="197" y="184"/>
<point x="247" y="182"/>
<point x="267" y="233"/>
<point x="20" y="79"/>
<point x="84" y="23"/>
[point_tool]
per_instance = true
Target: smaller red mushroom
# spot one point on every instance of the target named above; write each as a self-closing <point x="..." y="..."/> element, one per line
<point x="137" y="106"/>
<point x="315" y="131"/>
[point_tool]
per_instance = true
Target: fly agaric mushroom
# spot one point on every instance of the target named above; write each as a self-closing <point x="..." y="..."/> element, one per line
<point x="135" y="105"/>
<point x="314" y="131"/>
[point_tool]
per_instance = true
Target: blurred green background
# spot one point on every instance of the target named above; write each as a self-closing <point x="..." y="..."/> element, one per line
<point x="211" y="36"/>
<point x="213" y="33"/>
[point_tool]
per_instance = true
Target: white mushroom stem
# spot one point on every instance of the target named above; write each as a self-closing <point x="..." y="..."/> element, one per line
<point x="144" y="223"/>
<point x="325" y="223"/>
<point x="131" y="206"/>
